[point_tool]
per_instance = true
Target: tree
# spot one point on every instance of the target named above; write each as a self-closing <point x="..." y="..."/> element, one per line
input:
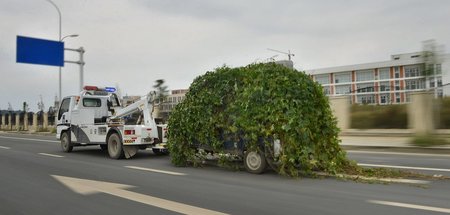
<point x="432" y="55"/>
<point x="161" y="90"/>
<point x="41" y="105"/>
<point x="25" y="107"/>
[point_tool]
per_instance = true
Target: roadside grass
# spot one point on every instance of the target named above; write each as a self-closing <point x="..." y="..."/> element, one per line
<point x="383" y="175"/>
<point x="428" y="140"/>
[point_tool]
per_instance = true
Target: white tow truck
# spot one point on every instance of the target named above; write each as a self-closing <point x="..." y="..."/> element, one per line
<point x="96" y="117"/>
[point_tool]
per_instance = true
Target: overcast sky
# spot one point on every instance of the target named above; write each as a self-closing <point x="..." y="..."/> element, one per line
<point x="132" y="43"/>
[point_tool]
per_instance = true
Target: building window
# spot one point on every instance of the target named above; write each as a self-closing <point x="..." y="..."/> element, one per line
<point x="365" y="99"/>
<point x="342" y="89"/>
<point x="384" y="98"/>
<point x="343" y="77"/>
<point x="439" y="82"/>
<point x="383" y="73"/>
<point x="397" y="85"/>
<point x="416" y="84"/>
<point x="411" y="84"/>
<point x="365" y="75"/>
<point x="413" y="71"/>
<point x="384" y="86"/>
<point x="364" y="88"/>
<point x="440" y="93"/>
<point x="397" y="72"/>
<point x="326" y="90"/>
<point x="322" y="79"/>
<point x="397" y="97"/>
<point x="438" y="69"/>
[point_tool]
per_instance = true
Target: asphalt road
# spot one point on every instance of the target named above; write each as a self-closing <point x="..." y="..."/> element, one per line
<point x="36" y="177"/>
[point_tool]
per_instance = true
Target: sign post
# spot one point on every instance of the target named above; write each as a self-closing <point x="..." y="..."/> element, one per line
<point x="47" y="52"/>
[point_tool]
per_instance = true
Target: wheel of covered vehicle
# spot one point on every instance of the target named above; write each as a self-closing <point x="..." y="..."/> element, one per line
<point x="66" y="145"/>
<point x="115" y="150"/>
<point x="255" y="162"/>
<point x="272" y="154"/>
<point x="160" y="151"/>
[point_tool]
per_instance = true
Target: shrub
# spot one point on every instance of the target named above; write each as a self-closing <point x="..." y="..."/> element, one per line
<point x="428" y="140"/>
<point x="444" y="114"/>
<point x="379" y="116"/>
<point x="250" y="107"/>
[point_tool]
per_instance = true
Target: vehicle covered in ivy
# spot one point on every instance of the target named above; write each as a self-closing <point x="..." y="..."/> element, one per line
<point x="262" y="114"/>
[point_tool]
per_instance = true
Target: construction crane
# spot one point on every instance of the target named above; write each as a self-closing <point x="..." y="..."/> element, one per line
<point x="289" y="54"/>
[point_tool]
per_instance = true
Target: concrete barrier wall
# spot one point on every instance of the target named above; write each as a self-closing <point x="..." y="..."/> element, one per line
<point x="420" y="115"/>
<point x="3" y="125"/>
<point x="420" y="112"/>
<point x="341" y="110"/>
<point x="23" y="124"/>
<point x="17" y="122"/>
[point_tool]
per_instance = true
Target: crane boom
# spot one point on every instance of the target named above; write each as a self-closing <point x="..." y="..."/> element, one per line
<point x="141" y="105"/>
<point x="289" y="54"/>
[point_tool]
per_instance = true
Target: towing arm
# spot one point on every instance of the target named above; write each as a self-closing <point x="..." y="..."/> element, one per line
<point x="143" y="105"/>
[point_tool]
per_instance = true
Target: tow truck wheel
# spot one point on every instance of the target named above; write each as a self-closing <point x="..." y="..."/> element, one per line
<point x="254" y="162"/>
<point x="115" y="146"/>
<point x="65" y="142"/>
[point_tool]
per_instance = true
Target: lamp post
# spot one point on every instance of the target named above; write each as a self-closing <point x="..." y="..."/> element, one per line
<point x="80" y="50"/>
<point x="60" y="39"/>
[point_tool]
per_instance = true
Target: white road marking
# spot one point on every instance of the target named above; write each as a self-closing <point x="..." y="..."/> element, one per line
<point x="4" y="147"/>
<point x="155" y="170"/>
<point x="86" y="187"/>
<point x="20" y="138"/>
<point x="51" y="155"/>
<point x="404" y="167"/>
<point x="397" y="153"/>
<point x="405" y="205"/>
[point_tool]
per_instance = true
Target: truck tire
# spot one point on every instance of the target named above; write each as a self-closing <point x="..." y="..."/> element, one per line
<point x="115" y="150"/>
<point x="255" y="162"/>
<point x="66" y="145"/>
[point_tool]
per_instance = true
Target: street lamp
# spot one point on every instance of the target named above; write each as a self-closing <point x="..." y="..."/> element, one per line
<point x="60" y="39"/>
<point x="80" y="50"/>
<point x="72" y="35"/>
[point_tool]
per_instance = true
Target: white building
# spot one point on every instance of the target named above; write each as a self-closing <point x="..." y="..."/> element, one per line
<point x="387" y="82"/>
<point x="172" y="100"/>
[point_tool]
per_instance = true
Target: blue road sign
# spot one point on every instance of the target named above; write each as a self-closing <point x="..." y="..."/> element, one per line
<point x="40" y="51"/>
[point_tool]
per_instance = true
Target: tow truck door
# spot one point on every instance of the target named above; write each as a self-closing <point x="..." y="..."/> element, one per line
<point x="64" y="112"/>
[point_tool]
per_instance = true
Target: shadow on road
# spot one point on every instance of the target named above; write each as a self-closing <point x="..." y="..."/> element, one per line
<point x="95" y="151"/>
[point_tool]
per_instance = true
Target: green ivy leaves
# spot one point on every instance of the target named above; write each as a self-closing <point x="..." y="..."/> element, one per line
<point x="255" y="104"/>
